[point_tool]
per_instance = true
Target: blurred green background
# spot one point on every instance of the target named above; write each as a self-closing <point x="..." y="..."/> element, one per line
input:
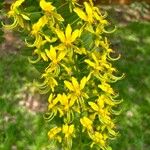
<point x="22" y="126"/>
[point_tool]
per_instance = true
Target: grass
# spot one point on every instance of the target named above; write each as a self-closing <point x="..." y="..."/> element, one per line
<point x="133" y="41"/>
<point x="20" y="128"/>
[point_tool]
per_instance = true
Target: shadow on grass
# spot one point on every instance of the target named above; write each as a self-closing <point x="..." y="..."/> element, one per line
<point x="21" y="126"/>
<point x="133" y="41"/>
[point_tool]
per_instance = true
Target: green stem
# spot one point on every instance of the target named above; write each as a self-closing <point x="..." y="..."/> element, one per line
<point x="38" y="12"/>
<point x="80" y="135"/>
<point x="80" y="142"/>
<point x="62" y="5"/>
<point x="75" y="21"/>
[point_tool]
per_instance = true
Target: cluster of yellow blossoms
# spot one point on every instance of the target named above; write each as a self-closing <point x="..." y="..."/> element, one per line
<point x="69" y="38"/>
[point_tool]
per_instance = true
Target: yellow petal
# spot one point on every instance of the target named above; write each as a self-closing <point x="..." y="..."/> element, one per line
<point x="89" y="28"/>
<point x="54" y="81"/>
<point x="93" y="143"/>
<point x="20" y="21"/>
<point x="75" y="83"/>
<point x="59" y="139"/>
<point x="52" y="133"/>
<point x="106" y="88"/>
<point x="88" y="9"/>
<point x="60" y="35"/>
<point x="55" y="101"/>
<point x="90" y="63"/>
<point x="83" y="82"/>
<point x="61" y="55"/>
<point x="80" y="13"/>
<point x="107" y="100"/>
<point x="69" y="85"/>
<point x="68" y="32"/>
<point x="72" y="101"/>
<point x="51" y="53"/>
<point x="86" y="122"/>
<point x="46" y="6"/>
<point x="65" y="129"/>
<point x="71" y="129"/>
<point x="93" y="105"/>
<point x="75" y="34"/>
<point x="36" y="27"/>
<point x="50" y="98"/>
<point x="63" y="99"/>
<point x="89" y="76"/>
<point x="94" y="58"/>
<point x="17" y="4"/>
<point x="43" y="55"/>
<point x="61" y="113"/>
<point x="100" y="103"/>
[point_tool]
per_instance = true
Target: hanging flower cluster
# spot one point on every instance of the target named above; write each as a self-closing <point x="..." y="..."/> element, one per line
<point x="69" y="38"/>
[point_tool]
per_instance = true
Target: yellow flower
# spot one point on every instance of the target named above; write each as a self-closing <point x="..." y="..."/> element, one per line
<point x="66" y="107"/>
<point x="40" y="54"/>
<point x="88" y="16"/>
<point x="55" y="57"/>
<point x="37" y="27"/>
<point x="17" y="16"/>
<point x="97" y="65"/>
<point x="67" y="37"/>
<point x="53" y="134"/>
<point x="104" y="113"/>
<point x="86" y="123"/>
<point x="46" y="6"/>
<point x="98" y="139"/>
<point x="66" y="102"/>
<point x="49" y="81"/>
<point x="36" y="32"/>
<point x="77" y="92"/>
<point x="91" y="13"/>
<point x="102" y="69"/>
<point x="52" y="55"/>
<point x="101" y="110"/>
<point x="68" y="130"/>
<point x="50" y="10"/>
<point x="109" y="101"/>
<point x="106" y="88"/>
<point x="77" y="88"/>
<point x="52" y="102"/>
<point x="105" y="44"/>
<point x="54" y="107"/>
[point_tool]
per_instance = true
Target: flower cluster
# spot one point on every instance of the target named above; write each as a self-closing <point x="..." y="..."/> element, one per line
<point x="69" y="38"/>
